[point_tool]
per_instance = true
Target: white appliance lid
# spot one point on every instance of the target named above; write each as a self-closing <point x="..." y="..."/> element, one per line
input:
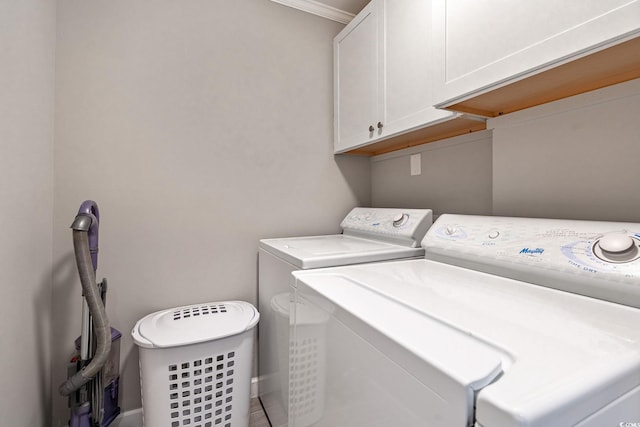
<point x="434" y="353"/>
<point x="369" y="235"/>
<point x="567" y="355"/>
<point x="335" y="250"/>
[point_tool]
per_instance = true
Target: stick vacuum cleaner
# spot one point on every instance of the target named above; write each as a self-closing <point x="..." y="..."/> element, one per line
<point x="93" y="372"/>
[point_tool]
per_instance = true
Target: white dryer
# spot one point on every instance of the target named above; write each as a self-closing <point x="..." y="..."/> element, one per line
<point x="508" y="322"/>
<point x="369" y="235"/>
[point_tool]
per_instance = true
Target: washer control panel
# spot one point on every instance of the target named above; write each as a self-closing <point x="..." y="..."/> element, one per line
<point x="593" y="258"/>
<point x="402" y="226"/>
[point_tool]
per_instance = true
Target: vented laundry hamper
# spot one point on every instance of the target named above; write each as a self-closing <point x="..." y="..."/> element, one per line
<point x="303" y="367"/>
<point x="195" y="364"/>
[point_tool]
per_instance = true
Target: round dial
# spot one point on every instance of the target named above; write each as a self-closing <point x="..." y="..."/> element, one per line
<point x="615" y="243"/>
<point x="616" y="247"/>
<point x="400" y="219"/>
<point x="451" y="230"/>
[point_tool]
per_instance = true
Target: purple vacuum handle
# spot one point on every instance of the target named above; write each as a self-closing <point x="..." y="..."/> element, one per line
<point x="90" y="208"/>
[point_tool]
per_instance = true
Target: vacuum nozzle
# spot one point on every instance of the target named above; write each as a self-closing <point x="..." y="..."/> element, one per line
<point x="82" y="222"/>
<point x="88" y="221"/>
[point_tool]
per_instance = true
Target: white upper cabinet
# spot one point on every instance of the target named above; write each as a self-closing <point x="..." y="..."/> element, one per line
<point x="408" y="101"/>
<point x="382" y="74"/>
<point x="480" y="45"/>
<point x="356" y="75"/>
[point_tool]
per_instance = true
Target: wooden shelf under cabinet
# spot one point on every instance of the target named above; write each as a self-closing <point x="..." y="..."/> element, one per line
<point x="616" y="64"/>
<point x="458" y="126"/>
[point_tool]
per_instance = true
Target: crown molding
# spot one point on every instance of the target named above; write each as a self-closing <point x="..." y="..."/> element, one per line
<point x="311" y="6"/>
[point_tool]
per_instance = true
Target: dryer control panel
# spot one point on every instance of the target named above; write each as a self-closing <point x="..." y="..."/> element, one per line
<point x="401" y="226"/>
<point x="592" y="258"/>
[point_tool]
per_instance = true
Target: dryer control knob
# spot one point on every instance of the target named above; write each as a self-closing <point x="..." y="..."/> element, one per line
<point x="400" y="219"/>
<point x="451" y="230"/>
<point x="616" y="248"/>
<point x="616" y="243"/>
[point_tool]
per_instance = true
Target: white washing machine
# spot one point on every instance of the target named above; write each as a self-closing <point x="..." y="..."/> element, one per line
<point x="507" y="322"/>
<point x="369" y="235"/>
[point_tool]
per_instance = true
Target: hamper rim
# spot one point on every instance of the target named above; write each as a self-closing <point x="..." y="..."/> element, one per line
<point x="239" y="318"/>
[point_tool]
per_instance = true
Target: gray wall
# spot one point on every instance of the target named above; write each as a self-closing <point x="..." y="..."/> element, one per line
<point x="575" y="158"/>
<point x="199" y="127"/>
<point x="27" y="48"/>
<point x="202" y="126"/>
<point x="456" y="176"/>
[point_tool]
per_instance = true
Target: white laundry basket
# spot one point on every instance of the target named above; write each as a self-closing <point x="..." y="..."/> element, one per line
<point x="195" y="365"/>
<point x="303" y="366"/>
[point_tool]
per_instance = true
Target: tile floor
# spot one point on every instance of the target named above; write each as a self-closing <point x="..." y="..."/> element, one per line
<point x="257" y="418"/>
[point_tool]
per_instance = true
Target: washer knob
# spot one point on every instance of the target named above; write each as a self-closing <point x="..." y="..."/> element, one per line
<point x="400" y="219"/>
<point x="616" y="243"/>
<point x="451" y="230"/>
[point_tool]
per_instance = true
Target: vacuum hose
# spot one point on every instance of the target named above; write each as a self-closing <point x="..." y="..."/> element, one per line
<point x="96" y="307"/>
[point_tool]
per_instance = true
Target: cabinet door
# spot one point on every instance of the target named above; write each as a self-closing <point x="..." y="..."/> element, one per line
<point x="407" y="83"/>
<point x="356" y="80"/>
<point x="482" y="44"/>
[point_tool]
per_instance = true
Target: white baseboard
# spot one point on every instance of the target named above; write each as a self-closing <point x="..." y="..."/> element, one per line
<point x="254" y="387"/>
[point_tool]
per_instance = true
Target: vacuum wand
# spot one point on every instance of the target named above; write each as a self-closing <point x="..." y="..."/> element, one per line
<point x="85" y="242"/>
